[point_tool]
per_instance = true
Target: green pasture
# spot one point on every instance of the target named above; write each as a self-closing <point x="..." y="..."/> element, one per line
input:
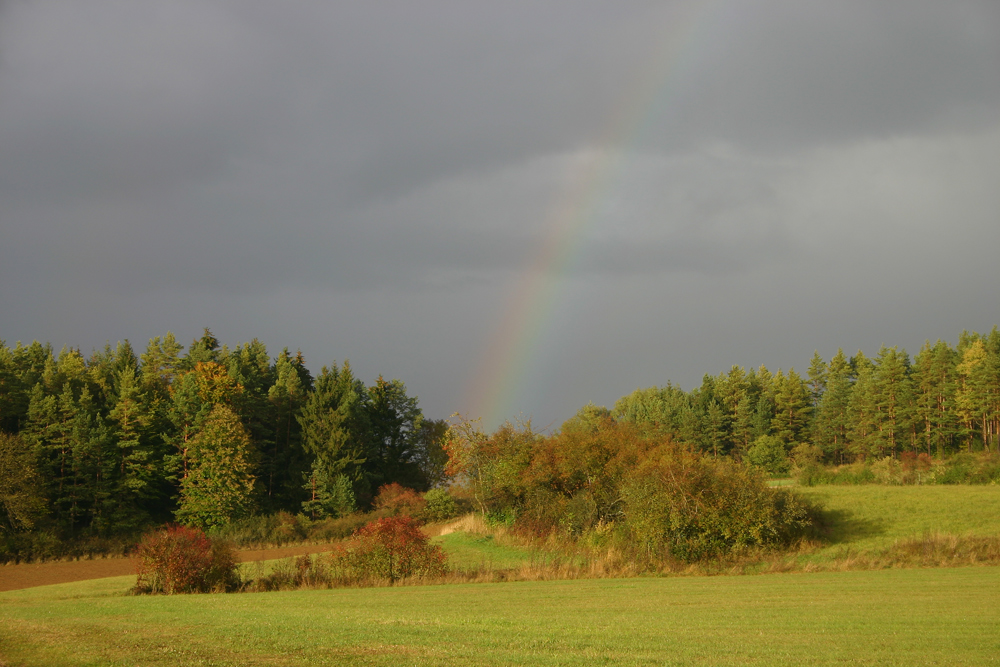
<point x="890" y="617"/>
<point x="871" y="516"/>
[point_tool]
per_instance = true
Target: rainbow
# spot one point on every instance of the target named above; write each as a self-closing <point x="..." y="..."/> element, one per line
<point x="515" y="341"/>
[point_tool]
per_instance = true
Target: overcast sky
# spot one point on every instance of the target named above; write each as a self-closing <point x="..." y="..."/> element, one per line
<point x="514" y="207"/>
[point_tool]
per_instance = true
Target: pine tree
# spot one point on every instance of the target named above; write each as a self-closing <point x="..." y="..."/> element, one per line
<point x="733" y="390"/>
<point x="893" y="392"/>
<point x="818" y="374"/>
<point x="21" y="500"/>
<point x="42" y="421"/>
<point x="14" y="395"/>
<point x="716" y="429"/>
<point x="284" y="464"/>
<point x="992" y="386"/>
<point x="201" y="350"/>
<point x="791" y="407"/>
<point x="831" y="418"/>
<point x="934" y="378"/>
<point x="861" y="410"/>
<point x="973" y="398"/>
<point x="94" y="453"/>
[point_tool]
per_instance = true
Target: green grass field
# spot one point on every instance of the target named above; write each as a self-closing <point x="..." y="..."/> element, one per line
<point x="884" y="617"/>
<point x="894" y="617"/>
<point x="871" y="516"/>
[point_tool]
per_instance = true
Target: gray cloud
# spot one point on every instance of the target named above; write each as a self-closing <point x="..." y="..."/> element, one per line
<point x="370" y="180"/>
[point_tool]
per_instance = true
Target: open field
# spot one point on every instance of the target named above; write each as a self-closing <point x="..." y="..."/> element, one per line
<point x="894" y="617"/>
<point x="889" y="616"/>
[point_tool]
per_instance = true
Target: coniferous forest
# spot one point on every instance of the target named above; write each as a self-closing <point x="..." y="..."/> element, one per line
<point x="943" y="401"/>
<point x="108" y="445"/>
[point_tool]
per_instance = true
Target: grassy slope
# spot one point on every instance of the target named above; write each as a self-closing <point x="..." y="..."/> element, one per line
<point x="871" y="516"/>
<point x="943" y="616"/>
<point x="472" y="551"/>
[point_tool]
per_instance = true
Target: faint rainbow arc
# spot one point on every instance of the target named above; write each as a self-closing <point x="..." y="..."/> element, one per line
<point x="510" y="349"/>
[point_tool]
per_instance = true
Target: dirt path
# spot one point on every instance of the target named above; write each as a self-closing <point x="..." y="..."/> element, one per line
<point x="13" y="577"/>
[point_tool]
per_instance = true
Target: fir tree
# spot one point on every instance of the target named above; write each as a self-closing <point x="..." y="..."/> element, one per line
<point x="219" y="486"/>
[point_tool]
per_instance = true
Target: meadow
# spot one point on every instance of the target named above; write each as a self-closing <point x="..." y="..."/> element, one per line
<point x="882" y="616"/>
<point x="891" y="617"/>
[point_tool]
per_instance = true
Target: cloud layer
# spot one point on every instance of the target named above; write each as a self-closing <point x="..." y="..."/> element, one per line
<point x="372" y="181"/>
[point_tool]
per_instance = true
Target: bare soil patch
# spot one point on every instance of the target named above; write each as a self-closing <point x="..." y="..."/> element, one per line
<point x="28" y="575"/>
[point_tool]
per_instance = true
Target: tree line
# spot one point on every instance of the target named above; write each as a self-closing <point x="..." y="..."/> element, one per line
<point x="943" y="401"/>
<point x="112" y="443"/>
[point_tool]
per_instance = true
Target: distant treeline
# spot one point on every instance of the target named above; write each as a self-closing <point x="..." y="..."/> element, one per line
<point x="946" y="400"/>
<point x="111" y="443"/>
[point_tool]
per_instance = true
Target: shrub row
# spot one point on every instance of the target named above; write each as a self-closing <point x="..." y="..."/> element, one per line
<point x="910" y="468"/>
<point x="178" y="559"/>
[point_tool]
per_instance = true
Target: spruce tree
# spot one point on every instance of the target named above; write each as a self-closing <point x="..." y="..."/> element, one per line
<point x="334" y="425"/>
<point x="136" y="464"/>
<point x="394" y="419"/>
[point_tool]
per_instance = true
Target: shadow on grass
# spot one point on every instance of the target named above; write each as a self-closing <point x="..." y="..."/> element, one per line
<point x="840" y="526"/>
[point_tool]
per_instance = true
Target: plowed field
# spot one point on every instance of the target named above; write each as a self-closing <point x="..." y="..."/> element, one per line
<point x="28" y="575"/>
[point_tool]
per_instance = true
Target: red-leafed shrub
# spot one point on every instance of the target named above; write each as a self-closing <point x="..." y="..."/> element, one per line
<point x="178" y="559"/>
<point x="391" y="548"/>
<point x="397" y="499"/>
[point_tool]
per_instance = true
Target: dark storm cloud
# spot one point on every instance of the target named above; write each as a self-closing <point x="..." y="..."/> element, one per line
<point x="376" y="174"/>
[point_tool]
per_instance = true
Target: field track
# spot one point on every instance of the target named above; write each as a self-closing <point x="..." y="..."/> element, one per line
<point x="29" y="575"/>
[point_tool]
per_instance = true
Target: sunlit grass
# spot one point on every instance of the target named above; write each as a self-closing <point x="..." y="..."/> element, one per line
<point x="870" y="515"/>
<point x="468" y="551"/>
<point x="904" y="617"/>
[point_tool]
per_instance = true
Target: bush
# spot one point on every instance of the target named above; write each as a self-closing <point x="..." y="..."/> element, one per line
<point x="178" y="559"/>
<point x="396" y="499"/>
<point x="910" y="468"/>
<point x="441" y="506"/>
<point x="856" y="473"/>
<point x="391" y="548"/>
<point x="768" y="453"/>
<point x="689" y="508"/>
